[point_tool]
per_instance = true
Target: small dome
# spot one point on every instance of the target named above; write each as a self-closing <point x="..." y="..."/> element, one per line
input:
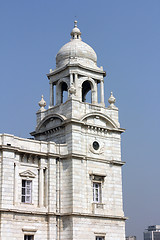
<point x="75" y="31"/>
<point x="76" y="50"/>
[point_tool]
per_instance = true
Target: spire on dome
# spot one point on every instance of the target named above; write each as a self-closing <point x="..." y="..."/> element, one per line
<point x="75" y="23"/>
<point x="76" y="50"/>
<point x="76" y="33"/>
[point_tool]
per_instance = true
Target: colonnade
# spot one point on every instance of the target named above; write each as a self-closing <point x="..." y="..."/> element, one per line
<point x="73" y="78"/>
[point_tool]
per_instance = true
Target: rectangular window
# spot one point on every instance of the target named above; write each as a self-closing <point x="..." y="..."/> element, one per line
<point x="28" y="237"/>
<point x="26" y="192"/>
<point x="97" y="194"/>
<point x="100" y="238"/>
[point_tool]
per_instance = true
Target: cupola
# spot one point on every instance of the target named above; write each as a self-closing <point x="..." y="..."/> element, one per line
<point x="77" y="50"/>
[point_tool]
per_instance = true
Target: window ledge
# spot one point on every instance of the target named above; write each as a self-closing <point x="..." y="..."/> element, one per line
<point x="25" y="203"/>
<point x="98" y="205"/>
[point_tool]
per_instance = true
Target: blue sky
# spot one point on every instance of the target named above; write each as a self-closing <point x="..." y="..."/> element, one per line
<point x="126" y="37"/>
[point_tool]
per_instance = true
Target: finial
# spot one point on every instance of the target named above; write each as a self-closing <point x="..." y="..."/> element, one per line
<point x="75" y="23"/>
<point x="42" y="104"/>
<point x="112" y="101"/>
<point x="76" y="34"/>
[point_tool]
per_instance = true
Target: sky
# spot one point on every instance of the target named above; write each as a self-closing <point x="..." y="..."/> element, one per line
<point x="126" y="37"/>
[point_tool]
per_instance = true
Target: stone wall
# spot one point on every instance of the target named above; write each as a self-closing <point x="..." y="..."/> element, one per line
<point x="62" y="205"/>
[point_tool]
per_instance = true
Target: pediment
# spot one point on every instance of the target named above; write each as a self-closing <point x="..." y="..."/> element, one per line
<point x="99" y="120"/>
<point x="27" y="174"/>
<point x="95" y="120"/>
<point x="50" y="121"/>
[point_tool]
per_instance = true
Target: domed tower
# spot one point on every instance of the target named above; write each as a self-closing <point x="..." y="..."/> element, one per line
<point x="89" y="201"/>
<point x="73" y="84"/>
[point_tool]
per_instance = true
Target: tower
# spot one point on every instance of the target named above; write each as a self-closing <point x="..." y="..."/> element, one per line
<point x="89" y="191"/>
<point x="66" y="183"/>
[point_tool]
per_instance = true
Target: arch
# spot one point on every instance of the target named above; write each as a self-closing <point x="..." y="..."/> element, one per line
<point x="86" y="88"/>
<point x="47" y="118"/>
<point x="64" y="92"/>
<point x="88" y="85"/>
<point x="106" y="118"/>
<point x="61" y="91"/>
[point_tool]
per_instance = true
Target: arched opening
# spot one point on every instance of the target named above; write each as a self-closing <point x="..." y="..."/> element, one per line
<point x="64" y="92"/>
<point x="86" y="92"/>
<point x="54" y="94"/>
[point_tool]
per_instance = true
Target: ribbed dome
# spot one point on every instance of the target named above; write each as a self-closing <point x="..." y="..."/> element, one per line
<point x="76" y="50"/>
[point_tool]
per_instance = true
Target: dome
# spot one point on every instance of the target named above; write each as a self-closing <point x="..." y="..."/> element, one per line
<point x="76" y="50"/>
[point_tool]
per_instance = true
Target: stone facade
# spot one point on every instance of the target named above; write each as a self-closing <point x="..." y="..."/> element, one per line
<point x="66" y="183"/>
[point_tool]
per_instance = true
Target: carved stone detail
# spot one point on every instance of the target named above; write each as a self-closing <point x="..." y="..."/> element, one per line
<point x="99" y="151"/>
<point x="27" y="174"/>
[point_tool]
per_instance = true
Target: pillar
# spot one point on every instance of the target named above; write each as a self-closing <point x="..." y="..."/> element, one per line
<point x="15" y="183"/>
<point x="71" y="79"/>
<point x="46" y="187"/>
<point x="41" y="187"/>
<point x="102" y="92"/>
<point x="94" y="95"/>
<point x="58" y="94"/>
<point x="51" y="95"/>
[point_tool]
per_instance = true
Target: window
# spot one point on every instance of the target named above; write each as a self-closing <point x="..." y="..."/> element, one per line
<point x="95" y="145"/>
<point x="28" y="237"/>
<point x="27" y="194"/>
<point x="97" y="194"/>
<point x="100" y="238"/>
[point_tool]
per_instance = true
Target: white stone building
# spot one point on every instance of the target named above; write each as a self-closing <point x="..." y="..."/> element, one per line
<point x="66" y="183"/>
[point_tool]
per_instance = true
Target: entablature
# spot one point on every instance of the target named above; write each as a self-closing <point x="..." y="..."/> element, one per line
<point x="97" y="73"/>
<point x="30" y="147"/>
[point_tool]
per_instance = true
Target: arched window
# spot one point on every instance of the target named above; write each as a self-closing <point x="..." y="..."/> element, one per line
<point x="86" y="92"/>
<point x="64" y="92"/>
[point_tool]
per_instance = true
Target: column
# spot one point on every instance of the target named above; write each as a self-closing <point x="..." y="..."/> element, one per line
<point x="51" y="95"/>
<point x="71" y="79"/>
<point x="46" y="187"/>
<point x="58" y="94"/>
<point x="102" y="92"/>
<point x="51" y="184"/>
<point x="94" y="94"/>
<point x="41" y="187"/>
<point x="76" y="79"/>
<point x="15" y="183"/>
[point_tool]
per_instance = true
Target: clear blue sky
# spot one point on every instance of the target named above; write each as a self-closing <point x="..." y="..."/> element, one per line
<point x="126" y="37"/>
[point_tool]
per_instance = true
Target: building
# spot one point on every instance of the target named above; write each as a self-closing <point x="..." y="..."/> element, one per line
<point x="66" y="183"/>
<point x="152" y="233"/>
<point x="131" y="238"/>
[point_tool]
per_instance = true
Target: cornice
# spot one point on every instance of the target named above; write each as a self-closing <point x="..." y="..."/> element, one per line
<point x="74" y="120"/>
<point x="58" y="70"/>
<point x="69" y="214"/>
<point x="113" y="217"/>
<point x="18" y="150"/>
<point x="84" y="158"/>
<point x="62" y="157"/>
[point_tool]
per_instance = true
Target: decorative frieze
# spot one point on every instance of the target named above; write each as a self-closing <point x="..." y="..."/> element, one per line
<point x="29" y="158"/>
